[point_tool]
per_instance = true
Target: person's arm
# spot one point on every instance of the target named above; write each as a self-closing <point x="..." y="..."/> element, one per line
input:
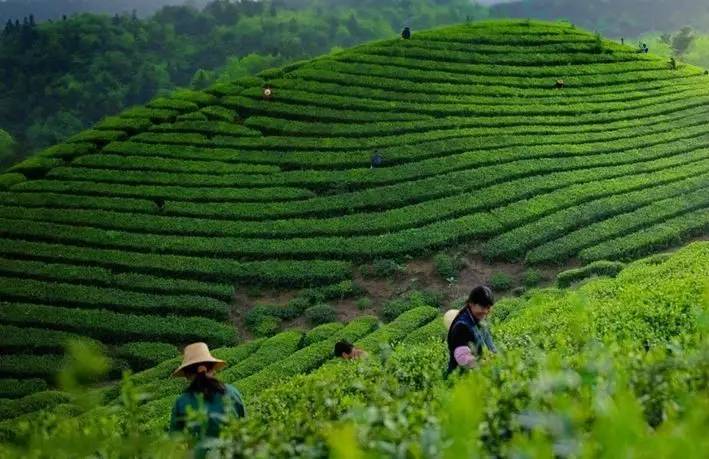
<point x="240" y="408"/>
<point x="460" y="339"/>
<point x="359" y="353"/>
<point x="237" y="401"/>
<point x="464" y="357"/>
<point x="487" y="336"/>
<point x="177" y="418"/>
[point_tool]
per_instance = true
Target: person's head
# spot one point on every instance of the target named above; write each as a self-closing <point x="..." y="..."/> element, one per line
<point x="344" y="349"/>
<point x="480" y="301"/>
<point x="198" y="367"/>
<point x="195" y="370"/>
<point x="203" y="381"/>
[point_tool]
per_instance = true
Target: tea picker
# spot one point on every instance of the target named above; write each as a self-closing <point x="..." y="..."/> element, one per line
<point x="467" y="334"/>
<point x="376" y="161"/>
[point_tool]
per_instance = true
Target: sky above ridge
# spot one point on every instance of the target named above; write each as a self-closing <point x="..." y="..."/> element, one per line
<point x="54" y="9"/>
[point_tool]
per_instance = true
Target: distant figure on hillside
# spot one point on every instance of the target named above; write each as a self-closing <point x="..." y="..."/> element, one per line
<point x="467" y="336"/>
<point x="622" y="40"/>
<point x="205" y="392"/>
<point x="376" y="160"/>
<point x="673" y="63"/>
<point x="267" y="92"/>
<point x="346" y="350"/>
<point x="644" y="48"/>
<point x="406" y="33"/>
<point x="559" y="84"/>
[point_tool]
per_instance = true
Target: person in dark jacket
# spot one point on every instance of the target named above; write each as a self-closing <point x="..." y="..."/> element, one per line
<point x="406" y="33"/>
<point x="205" y="394"/>
<point x="376" y="160"/>
<point x="467" y="337"/>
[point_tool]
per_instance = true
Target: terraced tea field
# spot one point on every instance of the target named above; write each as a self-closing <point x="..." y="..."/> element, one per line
<point x="549" y="363"/>
<point x="256" y="365"/>
<point x="134" y="233"/>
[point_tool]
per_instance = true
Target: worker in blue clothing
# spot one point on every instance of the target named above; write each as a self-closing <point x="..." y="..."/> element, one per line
<point x="205" y="395"/>
<point x="376" y="160"/>
<point x="467" y="336"/>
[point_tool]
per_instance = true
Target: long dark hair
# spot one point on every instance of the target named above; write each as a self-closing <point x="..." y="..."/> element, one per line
<point x="482" y="296"/>
<point x="203" y="383"/>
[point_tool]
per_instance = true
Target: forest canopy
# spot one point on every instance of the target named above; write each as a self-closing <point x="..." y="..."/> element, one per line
<point x="57" y="78"/>
<point x="6" y="147"/>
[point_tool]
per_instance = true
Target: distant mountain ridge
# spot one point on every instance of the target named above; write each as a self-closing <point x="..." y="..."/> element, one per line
<point x="43" y="10"/>
<point x="613" y="18"/>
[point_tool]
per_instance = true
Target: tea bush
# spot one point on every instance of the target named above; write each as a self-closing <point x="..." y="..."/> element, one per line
<point x="267" y="326"/>
<point x="18" y="388"/>
<point x="322" y="332"/>
<point x="618" y="366"/>
<point x="446" y="266"/>
<point x="597" y="268"/>
<point x="145" y="355"/>
<point x="320" y="314"/>
<point x="532" y="277"/>
<point x="143" y="228"/>
<point x="382" y="268"/>
<point x="500" y="281"/>
<point x="364" y="303"/>
<point x="394" y="308"/>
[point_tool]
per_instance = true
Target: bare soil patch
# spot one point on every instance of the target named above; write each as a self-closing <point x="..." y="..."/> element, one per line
<point x="419" y="274"/>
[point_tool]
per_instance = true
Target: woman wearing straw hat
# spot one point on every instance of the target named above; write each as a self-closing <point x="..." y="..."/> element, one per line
<point x="205" y="392"/>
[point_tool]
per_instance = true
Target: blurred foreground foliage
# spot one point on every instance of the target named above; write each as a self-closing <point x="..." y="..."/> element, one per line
<point x="57" y="78"/>
<point x="616" y="368"/>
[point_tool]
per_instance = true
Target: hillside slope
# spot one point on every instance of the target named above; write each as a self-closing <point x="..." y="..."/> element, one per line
<point x="613" y="353"/>
<point x="136" y="231"/>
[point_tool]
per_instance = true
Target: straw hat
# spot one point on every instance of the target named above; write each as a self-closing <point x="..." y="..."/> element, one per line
<point x="449" y="317"/>
<point x="197" y="353"/>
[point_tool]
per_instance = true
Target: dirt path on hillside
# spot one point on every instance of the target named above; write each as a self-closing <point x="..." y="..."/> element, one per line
<point x="418" y="274"/>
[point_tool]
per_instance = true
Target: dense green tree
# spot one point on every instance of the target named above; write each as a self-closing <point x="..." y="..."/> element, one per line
<point x="248" y="65"/>
<point x="201" y="79"/>
<point x="60" y="77"/>
<point x="682" y="40"/>
<point x="7" y="148"/>
<point x="54" y="128"/>
<point x="696" y="52"/>
<point x="679" y="42"/>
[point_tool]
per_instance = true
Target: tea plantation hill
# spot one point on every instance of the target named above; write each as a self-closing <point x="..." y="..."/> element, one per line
<point x="654" y="361"/>
<point x="135" y="232"/>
